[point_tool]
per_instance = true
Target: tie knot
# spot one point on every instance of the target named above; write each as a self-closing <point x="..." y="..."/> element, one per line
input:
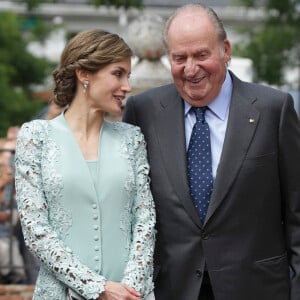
<point x="200" y="113"/>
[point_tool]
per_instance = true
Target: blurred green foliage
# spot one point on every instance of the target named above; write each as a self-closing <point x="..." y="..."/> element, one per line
<point x="275" y="43"/>
<point x="117" y="3"/>
<point x="32" y="4"/>
<point x="19" y="70"/>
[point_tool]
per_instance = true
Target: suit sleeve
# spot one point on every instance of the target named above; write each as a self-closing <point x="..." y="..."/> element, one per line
<point x="129" y="115"/>
<point x="289" y="147"/>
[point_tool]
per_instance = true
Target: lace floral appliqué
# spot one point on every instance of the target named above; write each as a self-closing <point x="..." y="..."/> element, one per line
<point x="139" y="269"/>
<point x="44" y="221"/>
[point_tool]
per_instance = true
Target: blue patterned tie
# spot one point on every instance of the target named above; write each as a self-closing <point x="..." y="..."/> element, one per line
<point x="199" y="163"/>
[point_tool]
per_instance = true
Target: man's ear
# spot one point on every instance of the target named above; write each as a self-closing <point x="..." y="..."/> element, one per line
<point x="227" y="50"/>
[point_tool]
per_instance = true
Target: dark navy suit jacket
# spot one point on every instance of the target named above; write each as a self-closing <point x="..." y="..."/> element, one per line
<point x="250" y="239"/>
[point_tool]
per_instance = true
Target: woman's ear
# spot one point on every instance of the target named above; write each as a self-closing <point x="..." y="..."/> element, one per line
<point x="82" y="75"/>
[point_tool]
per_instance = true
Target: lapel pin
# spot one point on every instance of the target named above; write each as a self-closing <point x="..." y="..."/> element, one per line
<point x="251" y="120"/>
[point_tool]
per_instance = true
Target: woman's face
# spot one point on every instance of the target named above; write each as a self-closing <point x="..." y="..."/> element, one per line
<point x="109" y="86"/>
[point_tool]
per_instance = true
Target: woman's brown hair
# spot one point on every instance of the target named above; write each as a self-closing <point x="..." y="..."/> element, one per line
<point x="89" y="50"/>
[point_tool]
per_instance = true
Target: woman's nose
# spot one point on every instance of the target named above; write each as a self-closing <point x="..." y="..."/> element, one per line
<point x="126" y="87"/>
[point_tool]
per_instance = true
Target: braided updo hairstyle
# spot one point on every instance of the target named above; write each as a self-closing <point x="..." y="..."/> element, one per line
<point x="89" y="50"/>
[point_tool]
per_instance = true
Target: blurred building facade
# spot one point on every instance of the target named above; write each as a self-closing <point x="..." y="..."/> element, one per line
<point x="76" y="15"/>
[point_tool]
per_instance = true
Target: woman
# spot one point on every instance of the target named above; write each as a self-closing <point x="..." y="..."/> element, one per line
<point x="82" y="182"/>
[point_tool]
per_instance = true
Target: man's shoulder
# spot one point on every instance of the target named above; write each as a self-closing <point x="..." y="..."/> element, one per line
<point x="263" y="96"/>
<point x="254" y="88"/>
<point x="159" y="91"/>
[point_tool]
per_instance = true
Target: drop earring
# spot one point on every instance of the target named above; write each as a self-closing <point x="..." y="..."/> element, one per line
<point x="85" y="86"/>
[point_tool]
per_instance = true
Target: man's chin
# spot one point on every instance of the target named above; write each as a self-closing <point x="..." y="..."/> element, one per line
<point x="196" y="100"/>
<point x="194" y="97"/>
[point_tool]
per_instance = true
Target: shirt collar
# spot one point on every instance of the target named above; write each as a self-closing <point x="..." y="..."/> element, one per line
<point x="221" y="103"/>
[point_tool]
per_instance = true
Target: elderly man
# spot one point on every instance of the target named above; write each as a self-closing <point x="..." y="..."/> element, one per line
<point x="224" y="157"/>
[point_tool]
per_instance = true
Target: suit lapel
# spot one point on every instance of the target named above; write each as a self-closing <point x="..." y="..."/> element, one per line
<point x="242" y="122"/>
<point x="171" y="138"/>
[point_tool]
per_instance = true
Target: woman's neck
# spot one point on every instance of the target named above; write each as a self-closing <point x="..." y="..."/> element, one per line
<point x="84" y="121"/>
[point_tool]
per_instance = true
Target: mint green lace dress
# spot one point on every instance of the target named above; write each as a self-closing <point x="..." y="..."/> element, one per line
<point x="86" y="221"/>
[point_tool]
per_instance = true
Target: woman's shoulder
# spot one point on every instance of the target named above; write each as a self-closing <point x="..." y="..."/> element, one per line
<point x="37" y="124"/>
<point x="33" y="129"/>
<point x="127" y="133"/>
<point x="124" y="127"/>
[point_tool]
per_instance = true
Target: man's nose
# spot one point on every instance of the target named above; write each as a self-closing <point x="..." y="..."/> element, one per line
<point x="190" y="68"/>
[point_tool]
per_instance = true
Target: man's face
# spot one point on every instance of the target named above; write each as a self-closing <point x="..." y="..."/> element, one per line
<point x="198" y="59"/>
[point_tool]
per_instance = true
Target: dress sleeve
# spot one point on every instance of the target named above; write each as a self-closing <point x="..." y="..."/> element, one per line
<point x="33" y="209"/>
<point x="139" y="269"/>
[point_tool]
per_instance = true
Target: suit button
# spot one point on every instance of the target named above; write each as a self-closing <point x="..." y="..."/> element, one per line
<point x="204" y="235"/>
<point x="198" y="273"/>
